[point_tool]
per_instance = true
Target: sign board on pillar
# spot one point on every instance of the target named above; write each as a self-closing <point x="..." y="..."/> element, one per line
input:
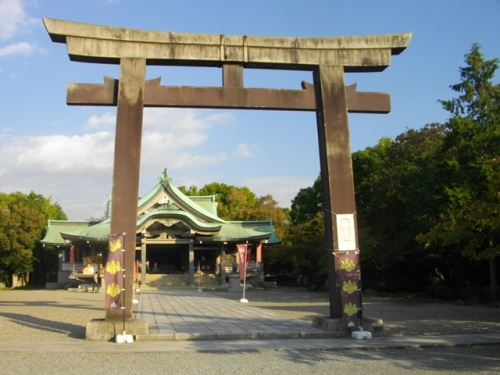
<point x="346" y="232"/>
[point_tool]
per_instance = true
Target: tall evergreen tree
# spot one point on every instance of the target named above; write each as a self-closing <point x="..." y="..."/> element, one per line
<point x="469" y="220"/>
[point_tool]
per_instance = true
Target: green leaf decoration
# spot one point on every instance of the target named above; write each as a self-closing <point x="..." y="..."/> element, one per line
<point x="350" y="309"/>
<point x="349" y="287"/>
<point x="347" y="265"/>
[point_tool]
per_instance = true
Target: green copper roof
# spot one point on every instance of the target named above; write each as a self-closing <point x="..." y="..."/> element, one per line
<point x="185" y="217"/>
<point x="56" y="227"/>
<point x="165" y="202"/>
<point x="231" y="232"/>
<point x="98" y="232"/>
<point x="261" y="226"/>
<point x="202" y="207"/>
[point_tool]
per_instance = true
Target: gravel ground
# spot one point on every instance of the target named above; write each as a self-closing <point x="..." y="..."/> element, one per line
<point x="47" y="315"/>
<point x="442" y="361"/>
<point x="55" y="316"/>
<point x="402" y="316"/>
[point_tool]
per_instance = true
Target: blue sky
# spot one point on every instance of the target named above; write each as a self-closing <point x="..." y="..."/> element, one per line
<point x="66" y="152"/>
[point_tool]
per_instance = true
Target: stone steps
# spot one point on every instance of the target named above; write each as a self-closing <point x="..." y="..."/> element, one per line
<point x="179" y="280"/>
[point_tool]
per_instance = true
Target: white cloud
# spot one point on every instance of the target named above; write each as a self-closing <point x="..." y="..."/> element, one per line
<point x="76" y="171"/>
<point x="246" y="151"/>
<point x="22" y="48"/>
<point x="106" y="120"/>
<point x="65" y="154"/>
<point x="175" y="119"/>
<point x="14" y="19"/>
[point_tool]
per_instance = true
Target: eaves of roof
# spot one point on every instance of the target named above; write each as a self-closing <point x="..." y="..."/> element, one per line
<point x="263" y="226"/>
<point x="235" y="233"/>
<point x="190" y="220"/>
<point x="56" y="227"/>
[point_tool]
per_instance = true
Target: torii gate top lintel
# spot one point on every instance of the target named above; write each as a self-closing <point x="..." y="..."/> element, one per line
<point x="106" y="44"/>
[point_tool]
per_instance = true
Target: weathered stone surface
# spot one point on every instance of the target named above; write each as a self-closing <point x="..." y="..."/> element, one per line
<point x="328" y="324"/>
<point x="97" y="43"/>
<point x="102" y="330"/>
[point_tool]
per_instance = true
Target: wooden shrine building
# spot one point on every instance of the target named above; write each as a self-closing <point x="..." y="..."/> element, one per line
<point x="177" y="236"/>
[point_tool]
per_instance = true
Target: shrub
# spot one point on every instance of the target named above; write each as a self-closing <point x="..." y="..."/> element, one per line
<point x="407" y="284"/>
<point x="468" y="292"/>
<point x="319" y="281"/>
<point x="439" y="291"/>
<point x="395" y="284"/>
<point x="485" y="294"/>
<point x="450" y="294"/>
<point x="430" y="290"/>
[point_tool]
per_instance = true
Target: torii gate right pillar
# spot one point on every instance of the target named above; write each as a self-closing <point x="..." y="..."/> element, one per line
<point x="338" y="192"/>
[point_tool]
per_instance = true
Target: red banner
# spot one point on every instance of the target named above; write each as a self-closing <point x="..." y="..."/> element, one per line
<point x="259" y="253"/>
<point x="136" y="267"/>
<point x="242" y="251"/>
<point x="113" y="276"/>
<point x="72" y="255"/>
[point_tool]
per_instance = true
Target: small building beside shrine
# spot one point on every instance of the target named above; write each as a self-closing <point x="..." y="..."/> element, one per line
<point x="180" y="241"/>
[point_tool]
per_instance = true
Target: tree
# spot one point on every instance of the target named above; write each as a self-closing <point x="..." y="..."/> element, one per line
<point x="307" y="203"/>
<point x="22" y="222"/>
<point x="302" y="252"/>
<point x="267" y="209"/>
<point x="234" y="202"/>
<point x="20" y="228"/>
<point x="470" y="216"/>
<point x="241" y="204"/>
<point x="395" y="184"/>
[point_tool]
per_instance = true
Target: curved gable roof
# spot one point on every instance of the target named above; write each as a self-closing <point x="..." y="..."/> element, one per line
<point x="167" y="202"/>
<point x="166" y="194"/>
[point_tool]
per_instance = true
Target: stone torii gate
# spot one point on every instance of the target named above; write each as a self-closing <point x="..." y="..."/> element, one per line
<point x="328" y="59"/>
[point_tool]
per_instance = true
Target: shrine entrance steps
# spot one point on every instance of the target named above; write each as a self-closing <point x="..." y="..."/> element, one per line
<point x="160" y="281"/>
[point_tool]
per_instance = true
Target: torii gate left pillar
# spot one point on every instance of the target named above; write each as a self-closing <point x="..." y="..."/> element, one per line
<point x="327" y="58"/>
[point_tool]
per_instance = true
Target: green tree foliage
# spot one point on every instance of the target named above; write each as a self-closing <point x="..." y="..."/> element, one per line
<point x="241" y="204"/>
<point x="437" y="186"/>
<point x="22" y="221"/>
<point x="394" y="198"/>
<point x="302" y="251"/>
<point x="469" y="218"/>
<point x="307" y="203"/>
<point x="267" y="209"/>
<point x="20" y="228"/>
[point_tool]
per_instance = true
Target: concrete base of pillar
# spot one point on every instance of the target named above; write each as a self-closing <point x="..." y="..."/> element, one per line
<point x="102" y="330"/>
<point x="335" y="324"/>
<point x="328" y="324"/>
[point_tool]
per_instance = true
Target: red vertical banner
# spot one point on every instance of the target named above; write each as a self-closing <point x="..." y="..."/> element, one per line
<point x="113" y="276"/>
<point x="135" y="271"/>
<point x="242" y="249"/>
<point x="348" y="276"/>
<point x="72" y="254"/>
<point x="259" y="253"/>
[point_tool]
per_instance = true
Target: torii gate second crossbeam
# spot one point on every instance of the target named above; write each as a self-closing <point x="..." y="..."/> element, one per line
<point x="327" y="58"/>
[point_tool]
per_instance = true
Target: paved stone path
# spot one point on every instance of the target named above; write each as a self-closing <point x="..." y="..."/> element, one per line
<point x="192" y="314"/>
